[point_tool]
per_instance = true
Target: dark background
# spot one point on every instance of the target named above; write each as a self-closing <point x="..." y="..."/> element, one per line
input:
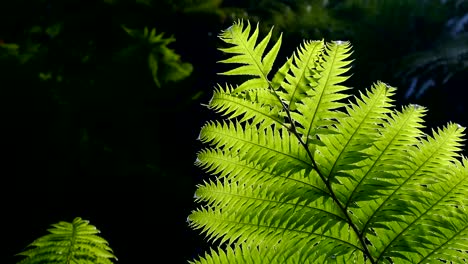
<point x="90" y="129"/>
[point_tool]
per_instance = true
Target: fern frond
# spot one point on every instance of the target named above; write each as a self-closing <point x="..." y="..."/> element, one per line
<point x="228" y="165"/>
<point x="356" y="132"/>
<point x="74" y="242"/>
<point x="296" y="85"/>
<point x="300" y="176"/>
<point x="440" y="228"/>
<point x="266" y="221"/>
<point x="246" y="108"/>
<point x="250" y="54"/>
<point x="258" y="146"/>
<point x="315" y="112"/>
<point x="242" y="254"/>
<point x="386" y="156"/>
<point x="430" y="163"/>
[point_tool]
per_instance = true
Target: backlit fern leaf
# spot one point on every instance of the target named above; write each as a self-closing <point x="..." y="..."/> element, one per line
<point x="301" y="176"/>
<point x="250" y="54"/>
<point x="247" y="106"/>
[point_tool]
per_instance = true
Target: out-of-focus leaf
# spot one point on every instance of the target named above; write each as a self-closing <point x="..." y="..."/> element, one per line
<point x="164" y="63"/>
<point x="166" y="66"/>
<point x="153" y="65"/>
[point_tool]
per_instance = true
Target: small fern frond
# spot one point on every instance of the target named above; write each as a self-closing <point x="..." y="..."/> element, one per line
<point x="68" y="243"/>
<point x="250" y="54"/>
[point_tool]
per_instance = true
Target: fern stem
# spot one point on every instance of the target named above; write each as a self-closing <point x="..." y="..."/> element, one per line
<point x="343" y="209"/>
<point x="72" y="243"/>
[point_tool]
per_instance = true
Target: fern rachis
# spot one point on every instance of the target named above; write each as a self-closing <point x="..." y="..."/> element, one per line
<point x="304" y="177"/>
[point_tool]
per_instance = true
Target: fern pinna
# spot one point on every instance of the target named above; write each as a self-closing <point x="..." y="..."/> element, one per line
<point x="303" y="176"/>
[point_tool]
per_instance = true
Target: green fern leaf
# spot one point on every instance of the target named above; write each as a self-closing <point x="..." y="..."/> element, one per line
<point x="244" y="107"/>
<point x="297" y="84"/>
<point x="343" y="151"/>
<point x="250" y="54"/>
<point x="315" y="113"/>
<point x="301" y="176"/>
<point x="257" y="146"/>
<point x="68" y="243"/>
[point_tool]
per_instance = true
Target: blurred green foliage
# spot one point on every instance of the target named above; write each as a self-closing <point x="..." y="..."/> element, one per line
<point x="164" y="63"/>
<point x="98" y="80"/>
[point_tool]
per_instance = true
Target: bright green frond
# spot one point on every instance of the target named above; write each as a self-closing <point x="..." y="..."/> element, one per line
<point x="242" y="254"/>
<point x="264" y="221"/>
<point x="442" y="228"/>
<point x="279" y="80"/>
<point x="430" y="162"/>
<point x="378" y="175"/>
<point x="68" y="243"/>
<point x="264" y="97"/>
<point x="343" y="150"/>
<point x="228" y="165"/>
<point x="258" y="146"/>
<point x="298" y="82"/>
<point x="262" y="202"/>
<point x="245" y="108"/>
<point x="250" y="54"/>
<point x="299" y="175"/>
<point x="316" y="111"/>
